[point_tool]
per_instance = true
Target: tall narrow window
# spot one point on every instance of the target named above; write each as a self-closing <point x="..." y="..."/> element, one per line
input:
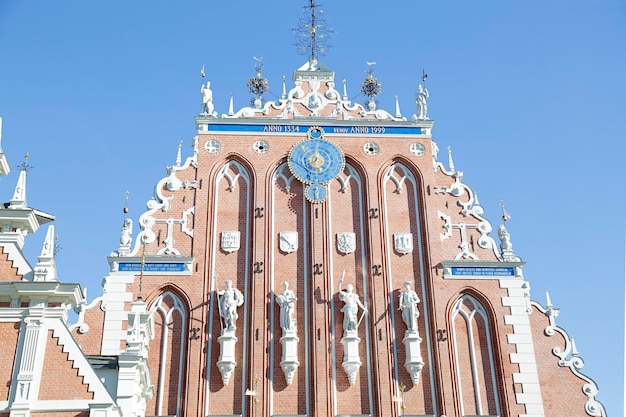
<point x="474" y="359"/>
<point x="167" y="361"/>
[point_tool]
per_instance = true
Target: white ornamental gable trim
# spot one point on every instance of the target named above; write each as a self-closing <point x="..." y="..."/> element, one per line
<point x="575" y="363"/>
<point x="316" y="101"/>
<point x="161" y="203"/>
<point x="470" y="208"/>
<point x="288" y="241"/>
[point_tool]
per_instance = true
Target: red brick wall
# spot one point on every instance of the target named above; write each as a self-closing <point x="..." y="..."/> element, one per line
<point x="9" y="335"/>
<point x="7" y="271"/>
<point x="556" y="382"/>
<point x="57" y="367"/>
<point x="91" y="342"/>
<point x="283" y="211"/>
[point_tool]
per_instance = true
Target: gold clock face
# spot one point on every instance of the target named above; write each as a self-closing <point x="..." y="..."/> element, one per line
<point x="316" y="161"/>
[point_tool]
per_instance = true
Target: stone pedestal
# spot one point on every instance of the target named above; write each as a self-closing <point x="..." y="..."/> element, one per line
<point x="413" y="362"/>
<point x="351" y="361"/>
<point x="227" y="363"/>
<point x="289" y="362"/>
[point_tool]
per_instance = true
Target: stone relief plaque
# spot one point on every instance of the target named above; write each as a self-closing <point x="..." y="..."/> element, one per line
<point x="288" y="241"/>
<point x="346" y="242"/>
<point x="231" y="241"/>
<point x="403" y="242"/>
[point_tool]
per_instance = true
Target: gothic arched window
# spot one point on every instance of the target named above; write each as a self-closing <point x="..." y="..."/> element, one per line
<point x="474" y="359"/>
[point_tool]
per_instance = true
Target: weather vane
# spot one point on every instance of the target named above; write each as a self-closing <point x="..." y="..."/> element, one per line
<point x="312" y="33"/>
<point x="25" y="166"/>
<point x="505" y="214"/>
<point x="371" y="87"/>
<point x="258" y="84"/>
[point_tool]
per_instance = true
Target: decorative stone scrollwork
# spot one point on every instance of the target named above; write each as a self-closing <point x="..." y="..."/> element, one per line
<point x="569" y="357"/>
<point x="470" y="208"/>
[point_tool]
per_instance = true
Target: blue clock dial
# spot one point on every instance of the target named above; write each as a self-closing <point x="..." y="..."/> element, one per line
<point x="316" y="193"/>
<point x="316" y="160"/>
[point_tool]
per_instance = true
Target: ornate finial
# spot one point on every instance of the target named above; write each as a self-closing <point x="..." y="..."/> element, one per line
<point x="505" y="214"/>
<point x="231" y="105"/>
<point x="550" y="310"/>
<point x="19" y="196"/>
<point x="178" y="156"/>
<point x="398" y="114"/>
<point x="126" y="204"/>
<point x="371" y="87"/>
<point x="345" y="90"/>
<point x="312" y="33"/>
<point x="450" y="161"/>
<point x="283" y="96"/>
<point x="258" y="85"/>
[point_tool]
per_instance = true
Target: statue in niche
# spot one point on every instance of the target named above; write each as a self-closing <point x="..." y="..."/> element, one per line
<point x="229" y="300"/>
<point x="408" y="305"/>
<point x="351" y="306"/>
<point x="421" y="102"/>
<point x="207" y="98"/>
<point x="286" y="300"/>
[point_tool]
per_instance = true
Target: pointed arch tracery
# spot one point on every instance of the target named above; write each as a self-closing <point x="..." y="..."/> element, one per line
<point x="474" y="358"/>
<point x="171" y="317"/>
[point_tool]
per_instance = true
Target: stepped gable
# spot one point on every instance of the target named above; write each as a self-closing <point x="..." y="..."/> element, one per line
<point x="8" y="272"/>
<point x="58" y="367"/>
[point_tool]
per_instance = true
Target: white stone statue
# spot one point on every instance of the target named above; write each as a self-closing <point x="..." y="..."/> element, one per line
<point x="408" y="304"/>
<point x="286" y="300"/>
<point x="421" y="103"/>
<point x="229" y="299"/>
<point x="505" y="239"/>
<point x="207" y="99"/>
<point x="127" y="230"/>
<point x="351" y="306"/>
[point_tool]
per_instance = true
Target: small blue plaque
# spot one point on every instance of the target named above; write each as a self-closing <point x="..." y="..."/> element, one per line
<point x="472" y="271"/>
<point x="151" y="267"/>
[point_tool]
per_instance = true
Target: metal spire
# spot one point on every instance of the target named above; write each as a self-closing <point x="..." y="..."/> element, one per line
<point x="19" y="196"/>
<point x="312" y="33"/>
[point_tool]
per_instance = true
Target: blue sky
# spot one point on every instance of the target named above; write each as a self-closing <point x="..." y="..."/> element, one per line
<point x="529" y="95"/>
